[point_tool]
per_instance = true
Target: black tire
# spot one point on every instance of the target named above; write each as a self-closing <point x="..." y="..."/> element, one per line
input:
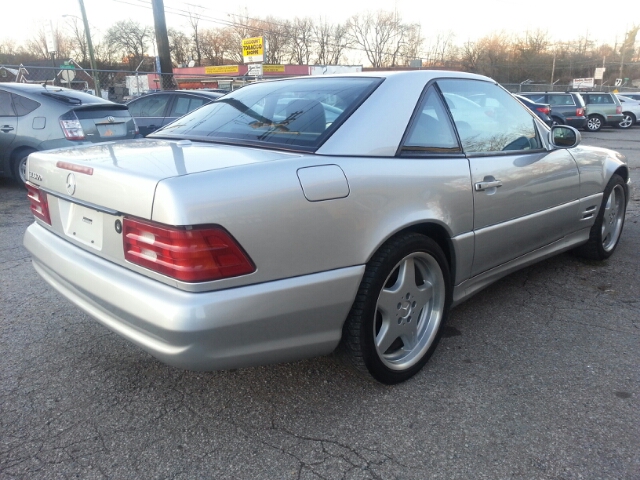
<point x="607" y="229"/>
<point x="19" y="165"/>
<point x="594" y="123"/>
<point x="392" y="338"/>
<point x="557" y="120"/>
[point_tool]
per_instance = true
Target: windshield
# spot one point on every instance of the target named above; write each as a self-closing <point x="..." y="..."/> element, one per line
<point x="297" y="113"/>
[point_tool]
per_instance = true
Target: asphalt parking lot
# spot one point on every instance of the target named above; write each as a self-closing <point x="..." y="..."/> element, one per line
<point x="538" y="378"/>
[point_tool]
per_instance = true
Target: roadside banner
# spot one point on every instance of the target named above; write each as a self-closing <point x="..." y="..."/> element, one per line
<point x="583" y="83"/>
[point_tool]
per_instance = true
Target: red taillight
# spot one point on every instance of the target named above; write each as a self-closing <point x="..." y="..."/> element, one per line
<point x="38" y="203"/>
<point x="618" y="110"/>
<point x="545" y="110"/>
<point x="189" y="255"/>
<point x="579" y="112"/>
<point x="71" y="126"/>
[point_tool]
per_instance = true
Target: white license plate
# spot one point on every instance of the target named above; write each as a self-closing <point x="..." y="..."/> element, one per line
<point x="112" y="130"/>
<point x="82" y="224"/>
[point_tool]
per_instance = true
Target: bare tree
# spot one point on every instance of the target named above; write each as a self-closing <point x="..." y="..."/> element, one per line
<point x="130" y="39"/>
<point x="215" y="43"/>
<point x="278" y="36"/>
<point x="470" y="56"/>
<point x="242" y="26"/>
<point x="194" y="21"/>
<point x="179" y="46"/>
<point x="301" y="41"/>
<point x="37" y="44"/>
<point x="413" y="43"/>
<point x="331" y="41"/>
<point x="381" y="36"/>
<point x="79" y="49"/>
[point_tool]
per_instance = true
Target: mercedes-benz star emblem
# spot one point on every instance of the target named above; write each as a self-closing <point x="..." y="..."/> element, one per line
<point x="110" y="119"/>
<point x="71" y="184"/>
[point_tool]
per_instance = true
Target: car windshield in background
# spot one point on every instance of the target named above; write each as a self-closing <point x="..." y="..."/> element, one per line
<point x="296" y="114"/>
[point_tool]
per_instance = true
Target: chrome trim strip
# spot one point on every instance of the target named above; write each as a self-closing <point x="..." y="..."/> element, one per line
<point x="81" y="202"/>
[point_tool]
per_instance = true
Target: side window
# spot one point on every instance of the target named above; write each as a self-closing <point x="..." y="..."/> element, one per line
<point x="500" y="124"/>
<point x="539" y="98"/>
<point x="24" y="105"/>
<point x="6" y="110"/>
<point x="184" y="104"/>
<point x="431" y="130"/>
<point x="560" y="100"/>
<point x="151" y="106"/>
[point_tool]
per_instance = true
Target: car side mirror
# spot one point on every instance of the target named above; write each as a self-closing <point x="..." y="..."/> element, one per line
<point x="564" y="136"/>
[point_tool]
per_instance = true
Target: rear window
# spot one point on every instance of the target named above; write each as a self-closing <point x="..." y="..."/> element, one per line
<point x="298" y="113"/>
<point x="71" y="97"/>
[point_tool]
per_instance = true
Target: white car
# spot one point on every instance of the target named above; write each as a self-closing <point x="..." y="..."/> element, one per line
<point x="630" y="110"/>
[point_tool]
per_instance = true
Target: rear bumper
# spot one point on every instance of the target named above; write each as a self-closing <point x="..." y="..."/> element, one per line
<point x="265" y="323"/>
<point x="614" y="119"/>
<point x="576" y="122"/>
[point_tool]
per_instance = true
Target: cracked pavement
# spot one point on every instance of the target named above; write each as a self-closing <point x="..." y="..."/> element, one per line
<point x="537" y="377"/>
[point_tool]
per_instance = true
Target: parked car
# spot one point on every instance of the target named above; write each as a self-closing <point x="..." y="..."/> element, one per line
<point x="633" y="95"/>
<point x="155" y="110"/>
<point x="568" y="108"/>
<point x="602" y="109"/>
<point x="253" y="230"/>
<point x="40" y="117"/>
<point x="542" y="110"/>
<point x="630" y="111"/>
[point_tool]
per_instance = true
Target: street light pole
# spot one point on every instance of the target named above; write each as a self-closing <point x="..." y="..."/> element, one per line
<point x="96" y="80"/>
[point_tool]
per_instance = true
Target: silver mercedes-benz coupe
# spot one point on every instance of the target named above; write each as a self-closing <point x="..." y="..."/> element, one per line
<point x="294" y="215"/>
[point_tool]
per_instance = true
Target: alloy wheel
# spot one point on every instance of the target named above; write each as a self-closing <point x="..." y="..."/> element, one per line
<point x="613" y="218"/>
<point x="409" y="311"/>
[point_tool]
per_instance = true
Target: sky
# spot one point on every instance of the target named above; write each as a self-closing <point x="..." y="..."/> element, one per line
<point x="468" y="20"/>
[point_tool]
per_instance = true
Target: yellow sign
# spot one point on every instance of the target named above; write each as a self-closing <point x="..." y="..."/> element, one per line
<point x="222" y="69"/>
<point x="273" y="68"/>
<point x="253" y="50"/>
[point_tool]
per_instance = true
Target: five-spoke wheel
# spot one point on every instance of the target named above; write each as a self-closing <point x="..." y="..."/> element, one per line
<point x="627" y="121"/>
<point x="393" y="327"/>
<point x="606" y="230"/>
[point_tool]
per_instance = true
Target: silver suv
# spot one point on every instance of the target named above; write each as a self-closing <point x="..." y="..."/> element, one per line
<point x="602" y="109"/>
<point x="34" y="117"/>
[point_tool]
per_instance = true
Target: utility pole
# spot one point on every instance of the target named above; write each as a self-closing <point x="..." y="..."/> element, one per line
<point x="553" y="68"/>
<point x="162" y="41"/>
<point x="92" y="59"/>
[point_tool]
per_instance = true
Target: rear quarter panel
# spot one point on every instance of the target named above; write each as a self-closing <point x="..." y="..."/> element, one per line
<point x="263" y="206"/>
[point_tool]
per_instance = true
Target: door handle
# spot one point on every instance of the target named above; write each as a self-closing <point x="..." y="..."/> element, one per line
<point x="481" y="186"/>
<point x="6" y="128"/>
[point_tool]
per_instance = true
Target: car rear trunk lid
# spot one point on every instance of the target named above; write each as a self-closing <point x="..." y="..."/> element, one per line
<point x="122" y="176"/>
<point x="103" y="122"/>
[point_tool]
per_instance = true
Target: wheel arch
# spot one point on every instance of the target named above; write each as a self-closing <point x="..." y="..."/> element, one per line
<point x="16" y="155"/>
<point x="432" y="229"/>
<point x="632" y="115"/>
<point x="623" y="171"/>
<point x="17" y="152"/>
